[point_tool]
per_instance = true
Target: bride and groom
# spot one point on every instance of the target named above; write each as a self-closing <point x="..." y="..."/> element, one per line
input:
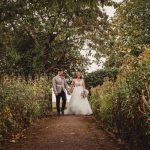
<point x="79" y="104"/>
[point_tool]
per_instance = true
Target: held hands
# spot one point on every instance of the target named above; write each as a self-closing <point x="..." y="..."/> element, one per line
<point x="56" y="94"/>
<point x="69" y="91"/>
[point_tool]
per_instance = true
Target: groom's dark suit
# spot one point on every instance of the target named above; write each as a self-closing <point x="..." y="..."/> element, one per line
<point x="59" y="86"/>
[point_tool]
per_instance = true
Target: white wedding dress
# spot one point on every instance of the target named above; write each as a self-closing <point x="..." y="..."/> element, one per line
<point x="78" y="105"/>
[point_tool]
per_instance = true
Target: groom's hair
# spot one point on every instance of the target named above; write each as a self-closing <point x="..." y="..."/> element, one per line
<point x="60" y="70"/>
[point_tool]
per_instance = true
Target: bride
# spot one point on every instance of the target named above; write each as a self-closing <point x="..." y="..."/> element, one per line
<point x="79" y="104"/>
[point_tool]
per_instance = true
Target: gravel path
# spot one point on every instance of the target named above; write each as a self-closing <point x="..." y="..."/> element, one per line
<point x="64" y="133"/>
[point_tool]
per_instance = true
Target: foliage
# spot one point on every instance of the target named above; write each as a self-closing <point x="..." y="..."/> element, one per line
<point x="97" y="77"/>
<point x="43" y="36"/>
<point x="21" y="102"/>
<point x="133" y="26"/>
<point x="125" y="105"/>
<point x="128" y="32"/>
<point x="101" y="100"/>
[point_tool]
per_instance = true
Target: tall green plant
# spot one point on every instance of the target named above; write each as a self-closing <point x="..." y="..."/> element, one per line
<point x="125" y="105"/>
<point x="21" y="102"/>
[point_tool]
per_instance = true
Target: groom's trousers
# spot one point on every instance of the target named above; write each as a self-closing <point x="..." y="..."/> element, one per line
<point x="64" y="99"/>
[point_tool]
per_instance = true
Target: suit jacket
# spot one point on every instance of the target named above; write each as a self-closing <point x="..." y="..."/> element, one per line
<point x="59" y="84"/>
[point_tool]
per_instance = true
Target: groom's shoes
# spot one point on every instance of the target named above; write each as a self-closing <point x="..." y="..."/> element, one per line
<point x="58" y="114"/>
<point x="62" y="113"/>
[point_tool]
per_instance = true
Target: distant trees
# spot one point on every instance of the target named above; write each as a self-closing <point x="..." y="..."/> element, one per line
<point x="97" y="77"/>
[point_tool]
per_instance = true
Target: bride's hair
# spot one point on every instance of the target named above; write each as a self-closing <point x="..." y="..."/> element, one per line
<point x="76" y="74"/>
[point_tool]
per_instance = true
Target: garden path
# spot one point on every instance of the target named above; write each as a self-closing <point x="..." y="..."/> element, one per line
<point x="64" y="133"/>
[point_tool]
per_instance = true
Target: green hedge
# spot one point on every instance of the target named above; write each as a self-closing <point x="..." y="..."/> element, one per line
<point x="21" y="102"/>
<point x="124" y="105"/>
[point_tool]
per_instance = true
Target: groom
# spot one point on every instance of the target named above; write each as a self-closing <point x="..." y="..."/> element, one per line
<point x="59" y="85"/>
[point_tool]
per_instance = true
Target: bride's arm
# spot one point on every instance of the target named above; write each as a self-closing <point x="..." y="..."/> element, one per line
<point x="73" y="84"/>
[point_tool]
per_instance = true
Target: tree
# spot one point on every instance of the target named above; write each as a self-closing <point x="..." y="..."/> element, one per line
<point x="96" y="78"/>
<point x="128" y="33"/>
<point x="42" y="36"/>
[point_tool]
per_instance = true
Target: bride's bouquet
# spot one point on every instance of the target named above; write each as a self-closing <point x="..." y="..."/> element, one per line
<point x="84" y="93"/>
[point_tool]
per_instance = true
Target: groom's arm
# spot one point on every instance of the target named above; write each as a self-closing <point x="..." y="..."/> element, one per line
<point x="54" y="86"/>
<point x="66" y="85"/>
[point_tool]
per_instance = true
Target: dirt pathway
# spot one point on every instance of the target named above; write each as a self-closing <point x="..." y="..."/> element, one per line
<point x="64" y="133"/>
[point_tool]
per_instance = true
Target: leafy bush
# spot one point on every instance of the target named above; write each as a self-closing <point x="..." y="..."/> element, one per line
<point x="125" y="105"/>
<point x="101" y="100"/>
<point x="21" y="102"/>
